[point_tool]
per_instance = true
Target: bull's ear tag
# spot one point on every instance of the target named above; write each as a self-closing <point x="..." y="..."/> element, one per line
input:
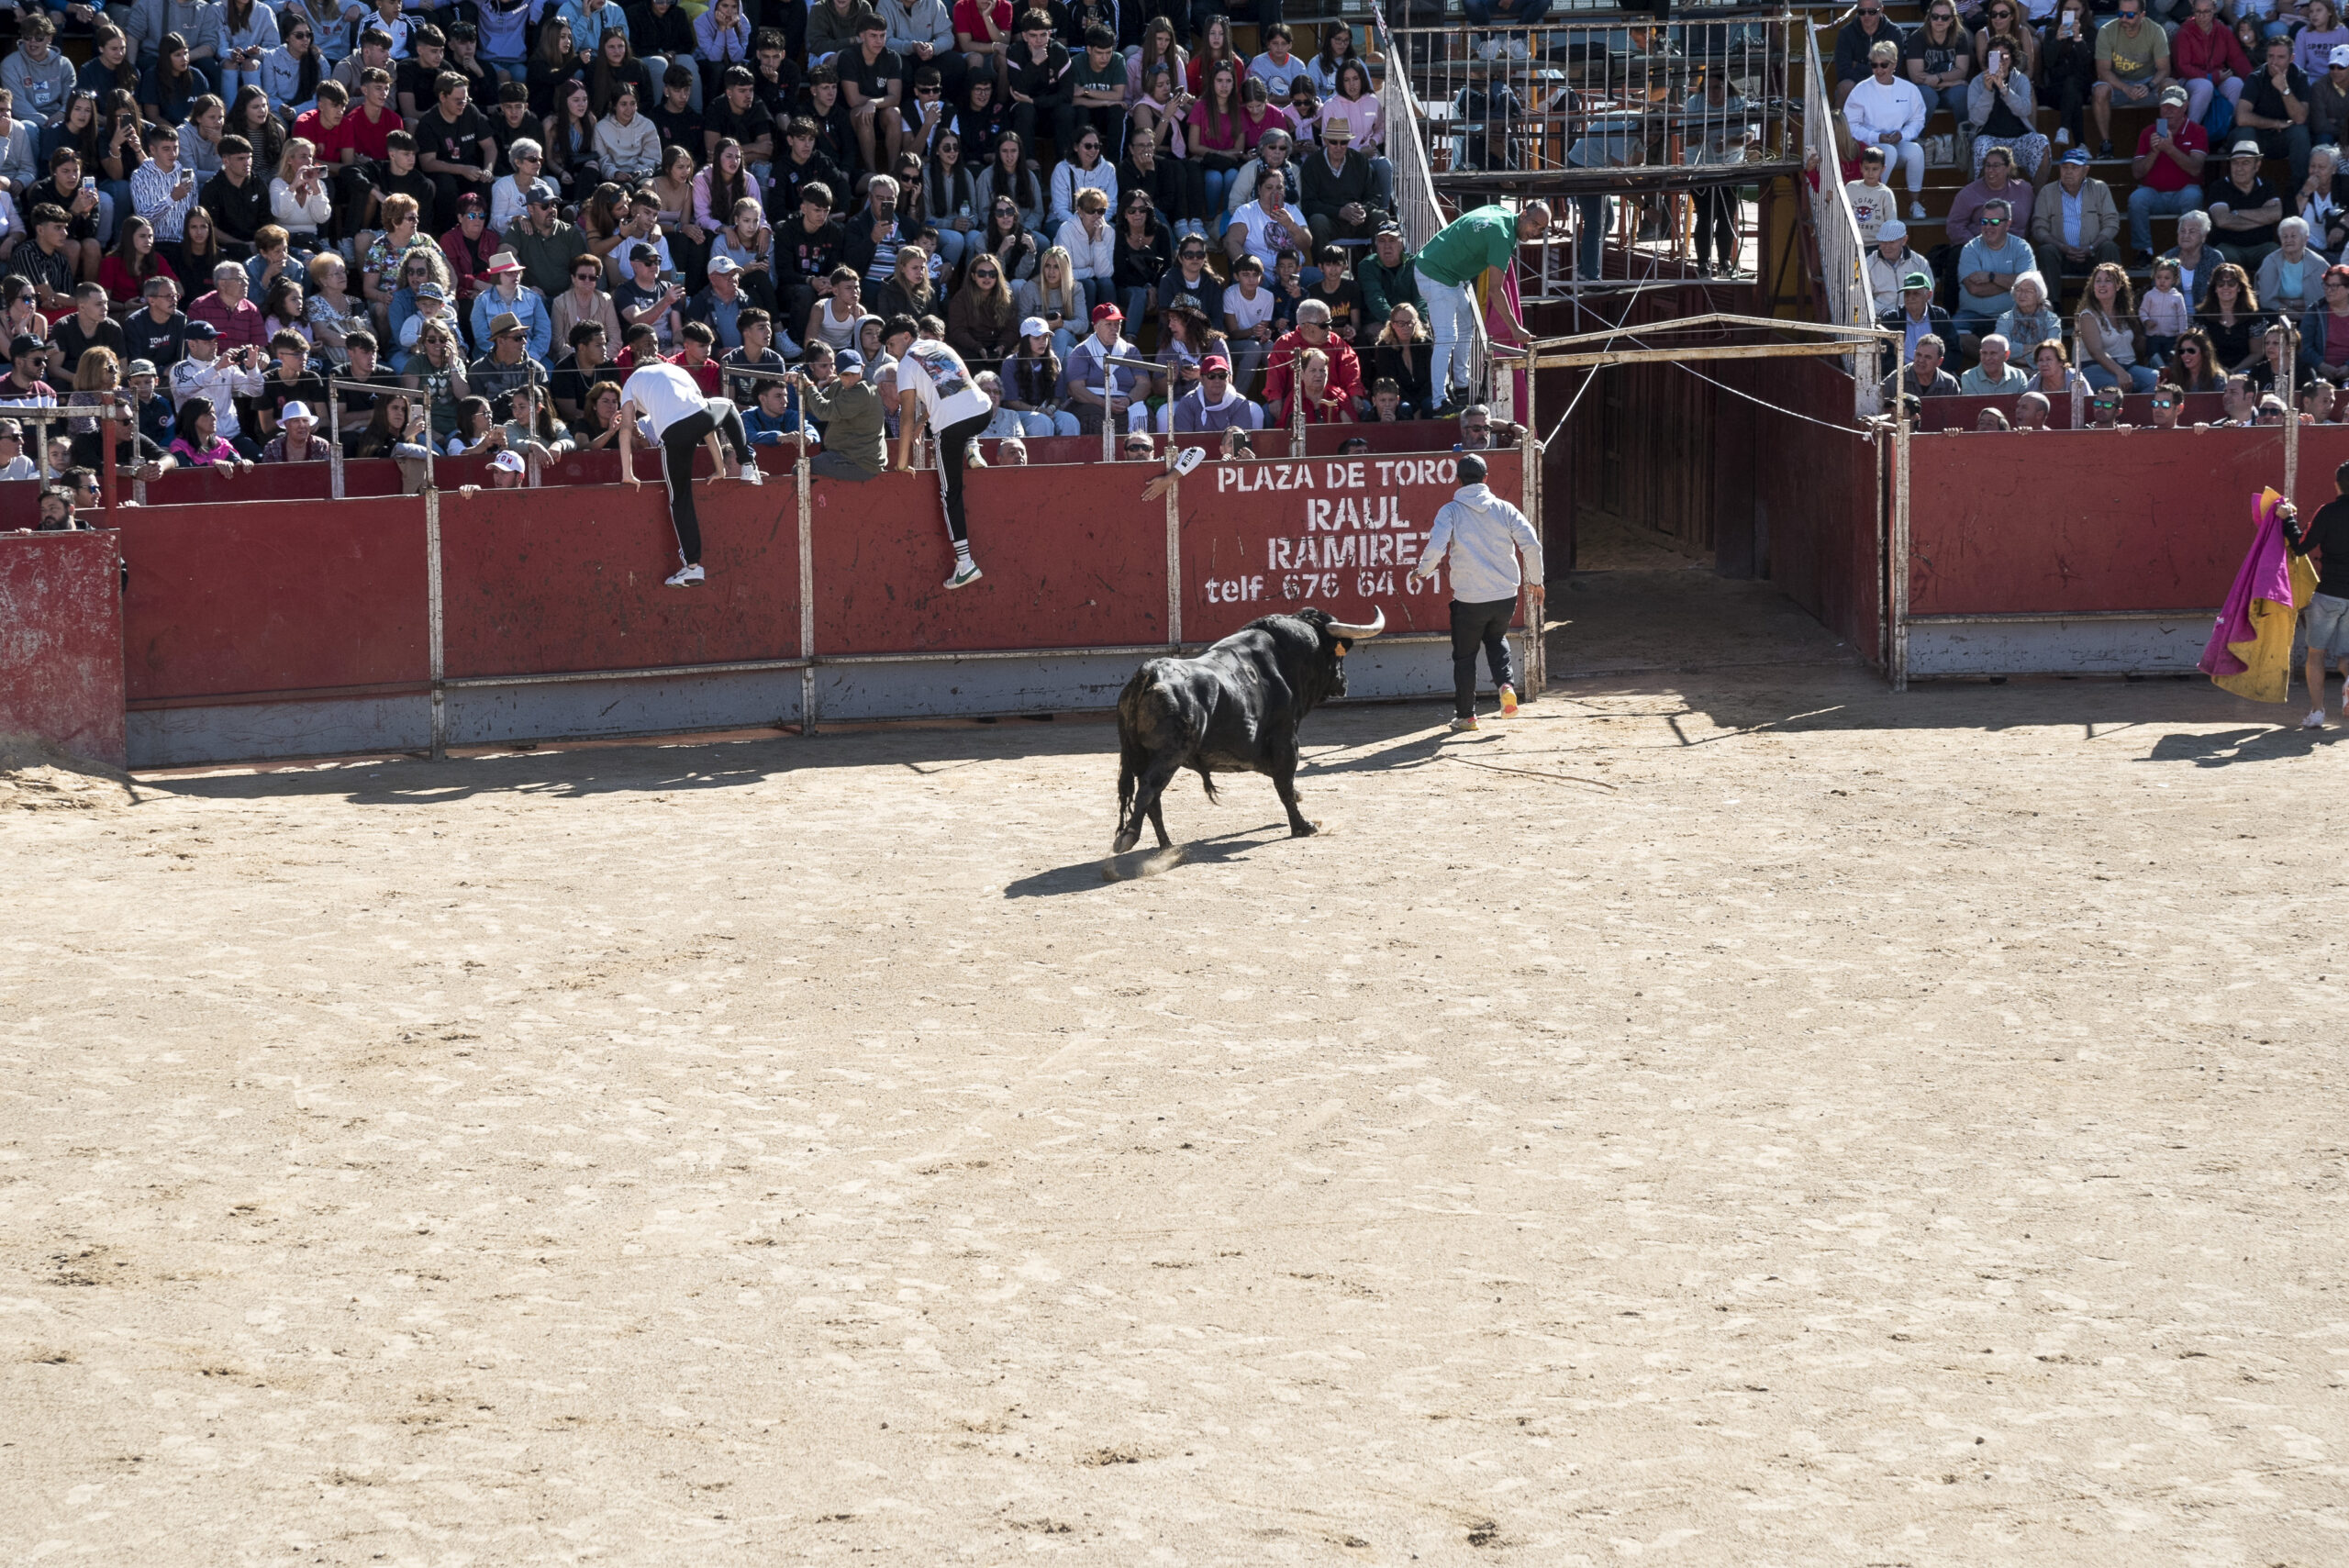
<point x="1341" y="651"/>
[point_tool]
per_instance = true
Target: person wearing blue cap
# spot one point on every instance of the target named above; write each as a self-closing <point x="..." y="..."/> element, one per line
<point x="855" y="436"/>
<point x="2075" y="224"/>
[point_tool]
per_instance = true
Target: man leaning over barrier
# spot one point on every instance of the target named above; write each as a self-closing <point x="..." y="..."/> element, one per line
<point x="681" y="420"/>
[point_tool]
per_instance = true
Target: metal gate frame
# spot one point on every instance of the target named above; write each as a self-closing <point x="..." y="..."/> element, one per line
<point x="1863" y="344"/>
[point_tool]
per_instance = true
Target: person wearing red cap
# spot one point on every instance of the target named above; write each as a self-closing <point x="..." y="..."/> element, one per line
<point x="1090" y="386"/>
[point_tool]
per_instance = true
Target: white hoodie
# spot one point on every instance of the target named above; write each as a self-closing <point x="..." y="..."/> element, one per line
<point x="1486" y="535"/>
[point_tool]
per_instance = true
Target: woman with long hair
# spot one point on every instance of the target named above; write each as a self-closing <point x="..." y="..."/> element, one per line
<point x="1401" y="354"/>
<point x="721" y="39"/>
<point x="2006" y="25"/>
<point x="1215" y="47"/>
<point x="166" y="91"/>
<point x="387" y="433"/>
<point x="531" y="429"/>
<point x="78" y="129"/>
<point x="1336" y="53"/>
<point x="284" y="308"/>
<point x="298" y="199"/>
<point x="1159" y="46"/>
<point x="2230" y="320"/>
<point x="1008" y="241"/>
<point x="616" y="67"/>
<point x="949" y="199"/>
<point x="1056" y="295"/>
<point x="717" y="188"/>
<point x="112" y="65"/>
<point x="198" y="251"/>
<point x="437" y="368"/>
<point x="603" y="215"/>
<point x="2111" y="339"/>
<point x="1142" y="252"/>
<point x="749" y="243"/>
<point x="291" y="71"/>
<point x="252" y="118"/>
<point x="96" y="380"/>
<point x="199" y="443"/>
<point x="908" y="290"/>
<point x="134" y="259"/>
<point x="553" y="64"/>
<point x="1355" y="103"/>
<point x="2193" y="365"/>
<point x="477" y="433"/>
<point x="599" y="418"/>
<point x="983" y="320"/>
<point x="1188" y="341"/>
<point x="122" y="149"/>
<point x="1257" y="116"/>
<point x="2320" y="32"/>
<point x="1945" y="60"/>
<point x="1009" y="174"/>
<point x="570" y="142"/>
<point x="1218" y="138"/>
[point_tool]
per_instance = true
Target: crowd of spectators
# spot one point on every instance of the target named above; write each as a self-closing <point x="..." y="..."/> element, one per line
<point x="2233" y="90"/>
<point x="209" y="209"/>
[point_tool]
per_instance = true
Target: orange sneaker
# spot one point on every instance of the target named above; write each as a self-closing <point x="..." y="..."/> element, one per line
<point x="1508" y="701"/>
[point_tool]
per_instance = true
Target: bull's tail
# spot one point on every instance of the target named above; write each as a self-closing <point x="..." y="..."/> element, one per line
<point x="1207" y="779"/>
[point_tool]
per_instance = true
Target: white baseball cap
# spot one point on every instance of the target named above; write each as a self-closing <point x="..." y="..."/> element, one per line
<point x="510" y="461"/>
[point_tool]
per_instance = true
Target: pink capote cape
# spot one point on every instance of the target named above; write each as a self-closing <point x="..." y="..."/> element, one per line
<point x="2250" y="651"/>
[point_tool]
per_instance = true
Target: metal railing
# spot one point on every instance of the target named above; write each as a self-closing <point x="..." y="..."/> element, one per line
<point x="1843" y="254"/>
<point x="1416" y="206"/>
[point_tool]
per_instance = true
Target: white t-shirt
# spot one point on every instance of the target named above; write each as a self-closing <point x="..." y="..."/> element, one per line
<point x="937" y="378"/>
<point x="667" y="395"/>
<point x="1269" y="233"/>
<point x="1245" y="312"/>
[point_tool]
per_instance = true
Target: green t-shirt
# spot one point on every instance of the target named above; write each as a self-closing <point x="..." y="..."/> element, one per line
<point x="2132" y="59"/>
<point x="1470" y="244"/>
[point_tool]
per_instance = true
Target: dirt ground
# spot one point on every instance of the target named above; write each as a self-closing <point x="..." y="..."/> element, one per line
<point x="1727" y="1116"/>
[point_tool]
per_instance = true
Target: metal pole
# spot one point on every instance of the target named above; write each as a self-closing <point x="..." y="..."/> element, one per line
<point x="106" y="460"/>
<point x="801" y="483"/>
<point x="1883" y="527"/>
<point x="1173" y="557"/>
<point x="2288" y="387"/>
<point x="1296" y="407"/>
<point x="432" y="602"/>
<point x="1901" y="542"/>
<point x="1537" y="649"/>
<point x="334" y="438"/>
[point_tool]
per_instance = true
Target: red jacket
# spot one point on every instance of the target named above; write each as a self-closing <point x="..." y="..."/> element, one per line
<point x="1345" y="370"/>
<point x="2195" y="54"/>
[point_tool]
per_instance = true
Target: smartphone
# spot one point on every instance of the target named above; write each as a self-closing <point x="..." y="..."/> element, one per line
<point x="1997" y="60"/>
<point x="674" y="280"/>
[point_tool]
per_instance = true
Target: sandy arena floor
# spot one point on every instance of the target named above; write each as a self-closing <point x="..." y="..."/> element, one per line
<point x="1781" y="1123"/>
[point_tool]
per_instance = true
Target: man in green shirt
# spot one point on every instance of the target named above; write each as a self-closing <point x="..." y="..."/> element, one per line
<point x="543" y="243"/>
<point x="1482" y="243"/>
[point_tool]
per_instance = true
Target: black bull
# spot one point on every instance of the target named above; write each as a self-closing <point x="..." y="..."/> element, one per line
<point x="1234" y="709"/>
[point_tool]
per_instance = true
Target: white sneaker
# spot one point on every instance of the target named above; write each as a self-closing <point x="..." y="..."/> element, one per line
<point x="2063" y="136"/>
<point x="1187" y="459"/>
<point x="2315" y="720"/>
<point x="752" y="474"/>
<point x="1468" y="723"/>
<point x="1916" y="212"/>
<point x="686" y="577"/>
<point x="965" y="576"/>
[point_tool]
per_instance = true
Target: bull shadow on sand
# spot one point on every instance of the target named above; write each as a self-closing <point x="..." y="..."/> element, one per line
<point x="1083" y="876"/>
<point x="2226" y="748"/>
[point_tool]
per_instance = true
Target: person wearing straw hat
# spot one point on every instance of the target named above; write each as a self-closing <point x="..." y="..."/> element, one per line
<point x="671" y="401"/>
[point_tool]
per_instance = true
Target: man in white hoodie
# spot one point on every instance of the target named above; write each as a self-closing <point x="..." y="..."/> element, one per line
<point x="1888" y="111"/>
<point x="1485" y="535"/>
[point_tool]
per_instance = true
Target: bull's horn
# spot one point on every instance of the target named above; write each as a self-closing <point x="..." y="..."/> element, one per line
<point x="1356" y="633"/>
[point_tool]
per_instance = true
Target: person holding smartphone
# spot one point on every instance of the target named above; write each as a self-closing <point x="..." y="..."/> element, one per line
<point x="650" y="296"/>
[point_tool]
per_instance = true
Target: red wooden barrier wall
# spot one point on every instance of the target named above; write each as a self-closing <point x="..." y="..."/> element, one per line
<point x="61" y="641"/>
<point x="1073" y="556"/>
<point x="2094" y="520"/>
<point x="1338" y="533"/>
<point x="279" y="597"/>
<point x="539" y="580"/>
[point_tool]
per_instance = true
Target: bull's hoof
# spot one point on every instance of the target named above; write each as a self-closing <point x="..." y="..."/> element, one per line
<point x="1125" y="842"/>
<point x="1303" y="830"/>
